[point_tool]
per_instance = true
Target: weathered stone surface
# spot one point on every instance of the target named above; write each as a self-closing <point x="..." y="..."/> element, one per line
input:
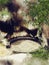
<point x="22" y="59"/>
<point x="19" y="46"/>
<point x="24" y="46"/>
<point x="16" y="59"/>
<point x="46" y="30"/>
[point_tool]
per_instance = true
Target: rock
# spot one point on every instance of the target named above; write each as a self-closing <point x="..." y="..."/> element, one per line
<point x="4" y="51"/>
<point x="15" y="59"/>
<point x="25" y="46"/>
<point x="46" y="30"/>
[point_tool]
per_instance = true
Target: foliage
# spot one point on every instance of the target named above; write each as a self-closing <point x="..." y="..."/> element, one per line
<point x="3" y="2"/>
<point x="5" y="14"/>
<point x="42" y="53"/>
<point x="39" y="11"/>
<point x="4" y="11"/>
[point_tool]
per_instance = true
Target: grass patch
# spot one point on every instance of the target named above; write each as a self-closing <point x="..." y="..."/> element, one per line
<point x="42" y="53"/>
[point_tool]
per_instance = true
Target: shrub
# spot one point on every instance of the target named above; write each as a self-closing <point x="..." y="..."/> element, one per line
<point x="39" y="11"/>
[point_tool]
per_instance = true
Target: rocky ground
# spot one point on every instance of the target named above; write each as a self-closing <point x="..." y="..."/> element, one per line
<point x="22" y="59"/>
<point x="19" y="46"/>
<point x="18" y="54"/>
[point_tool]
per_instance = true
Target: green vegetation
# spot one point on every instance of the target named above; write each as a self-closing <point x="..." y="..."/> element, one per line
<point x="3" y="10"/>
<point x="41" y="53"/>
<point x="3" y="2"/>
<point x="39" y="12"/>
<point x="5" y="14"/>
